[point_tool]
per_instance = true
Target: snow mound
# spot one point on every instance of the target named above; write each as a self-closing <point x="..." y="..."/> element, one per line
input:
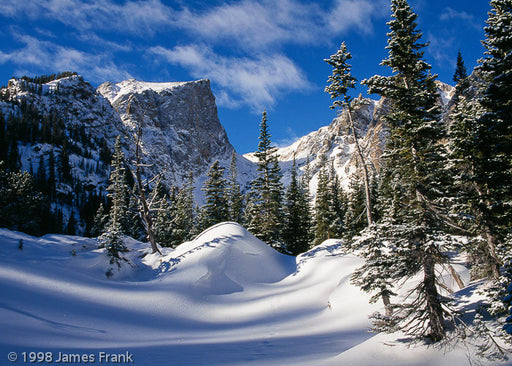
<point x="226" y="258"/>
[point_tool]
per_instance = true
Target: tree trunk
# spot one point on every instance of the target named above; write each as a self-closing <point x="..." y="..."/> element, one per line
<point x="387" y="303"/>
<point x="366" y="179"/>
<point x="144" y="207"/>
<point x="433" y="304"/>
<point x="491" y="238"/>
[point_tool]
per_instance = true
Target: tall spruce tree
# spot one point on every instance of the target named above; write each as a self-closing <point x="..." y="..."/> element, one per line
<point x="493" y="165"/>
<point x="118" y="190"/>
<point x="297" y="217"/>
<point x="341" y="81"/>
<point x="216" y="208"/>
<point x="234" y="193"/>
<point x="265" y="208"/>
<point x="412" y="186"/>
<point x="460" y="71"/>
<point x="338" y="203"/>
<point x="323" y="208"/>
<point x="183" y="219"/>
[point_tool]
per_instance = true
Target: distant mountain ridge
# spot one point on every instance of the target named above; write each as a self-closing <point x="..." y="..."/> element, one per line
<point x="182" y="134"/>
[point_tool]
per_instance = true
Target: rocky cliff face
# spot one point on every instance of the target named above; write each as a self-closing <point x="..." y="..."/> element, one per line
<point x="181" y="132"/>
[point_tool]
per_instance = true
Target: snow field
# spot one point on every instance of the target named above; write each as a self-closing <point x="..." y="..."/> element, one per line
<point x="225" y="298"/>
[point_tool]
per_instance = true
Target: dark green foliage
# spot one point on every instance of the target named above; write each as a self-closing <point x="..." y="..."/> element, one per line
<point x="183" y="221"/>
<point x="64" y="166"/>
<point x="330" y="206"/>
<point x="460" y="72"/>
<point x="355" y="216"/>
<point x="234" y="193"/>
<point x="118" y="191"/>
<point x="22" y="207"/>
<point x="341" y="79"/>
<point x="323" y="208"/>
<point x="413" y="185"/>
<point x="216" y="208"/>
<point x="100" y="222"/>
<point x="264" y="211"/>
<point x="296" y="235"/>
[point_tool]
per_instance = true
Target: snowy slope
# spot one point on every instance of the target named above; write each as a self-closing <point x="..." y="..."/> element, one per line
<point x="225" y="298"/>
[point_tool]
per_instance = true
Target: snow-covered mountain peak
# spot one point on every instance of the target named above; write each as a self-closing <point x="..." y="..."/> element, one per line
<point x="113" y="92"/>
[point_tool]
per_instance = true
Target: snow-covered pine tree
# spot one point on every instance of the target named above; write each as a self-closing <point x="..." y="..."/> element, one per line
<point x="162" y="221"/>
<point x="234" y="193"/>
<point x="135" y="228"/>
<point x="412" y="184"/>
<point x="338" y="204"/>
<point x="341" y="81"/>
<point x="100" y="221"/>
<point x="216" y="208"/>
<point x="297" y="217"/>
<point x="111" y="238"/>
<point x="493" y="165"/>
<point x="461" y="78"/>
<point x="354" y="217"/>
<point x="265" y="213"/>
<point x="183" y="219"/>
<point x="323" y="215"/>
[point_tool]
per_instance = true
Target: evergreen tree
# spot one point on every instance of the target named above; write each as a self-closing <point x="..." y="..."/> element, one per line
<point x="265" y="214"/>
<point x="323" y="208"/>
<point x="111" y="239"/>
<point x="100" y="221"/>
<point x="71" y="225"/>
<point x="234" y="193"/>
<point x="52" y="183"/>
<point x="460" y="71"/>
<point x="183" y="221"/>
<point x="135" y="228"/>
<point x="22" y="206"/>
<point x="338" y="205"/>
<point x="412" y="186"/>
<point x="492" y="163"/>
<point x="216" y="208"/>
<point x="64" y="167"/>
<point x="355" y="207"/>
<point x="341" y="81"/>
<point x="163" y="219"/>
<point x="297" y="217"/>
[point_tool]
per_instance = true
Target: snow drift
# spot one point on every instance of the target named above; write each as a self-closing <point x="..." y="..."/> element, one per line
<point x="224" y="298"/>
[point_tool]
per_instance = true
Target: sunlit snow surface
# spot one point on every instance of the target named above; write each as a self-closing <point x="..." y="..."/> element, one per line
<point x="225" y="298"/>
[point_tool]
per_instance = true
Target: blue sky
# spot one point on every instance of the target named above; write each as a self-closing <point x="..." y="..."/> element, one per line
<point x="258" y="54"/>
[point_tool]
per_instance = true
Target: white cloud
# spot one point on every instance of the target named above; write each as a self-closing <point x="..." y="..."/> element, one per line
<point x="441" y="49"/>
<point x="137" y="17"/>
<point x="249" y="23"/>
<point x="41" y="55"/>
<point x="256" y="31"/>
<point x="252" y="81"/>
<point x="255" y="24"/>
<point x="469" y="19"/>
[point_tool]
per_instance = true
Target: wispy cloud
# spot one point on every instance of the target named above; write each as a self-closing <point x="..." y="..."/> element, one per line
<point x="137" y="17"/>
<point x="40" y="55"/>
<point x="469" y="19"/>
<point x="245" y="40"/>
<point x="256" y="82"/>
<point x="256" y="24"/>
<point x="442" y="49"/>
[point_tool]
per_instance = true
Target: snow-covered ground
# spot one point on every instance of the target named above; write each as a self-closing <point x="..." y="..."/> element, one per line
<point x="225" y="298"/>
